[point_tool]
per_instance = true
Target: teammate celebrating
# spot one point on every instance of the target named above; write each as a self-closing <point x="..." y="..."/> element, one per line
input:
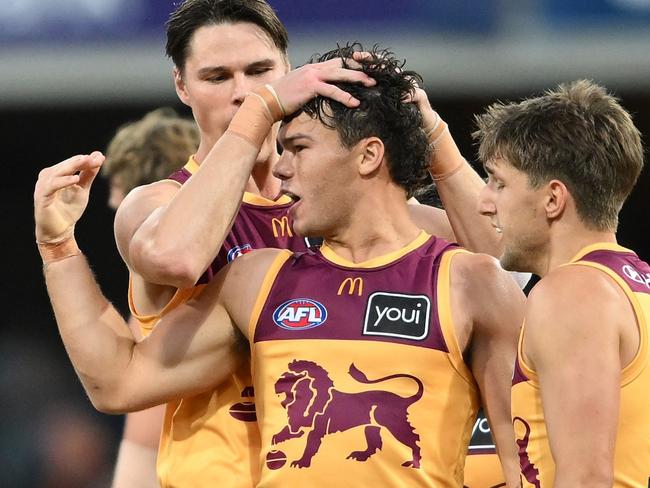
<point x="560" y="167"/>
<point x="411" y="296"/>
<point x="170" y="233"/>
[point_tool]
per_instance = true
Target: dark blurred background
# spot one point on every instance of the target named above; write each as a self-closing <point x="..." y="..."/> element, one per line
<point x="72" y="71"/>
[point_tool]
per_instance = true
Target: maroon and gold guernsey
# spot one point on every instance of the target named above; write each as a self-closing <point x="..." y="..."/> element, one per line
<point x="482" y="465"/>
<point x="632" y="452"/>
<point x="212" y="439"/>
<point x="358" y="374"/>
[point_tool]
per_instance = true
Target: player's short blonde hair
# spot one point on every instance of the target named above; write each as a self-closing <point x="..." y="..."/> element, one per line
<point x="577" y="133"/>
<point x="150" y="149"/>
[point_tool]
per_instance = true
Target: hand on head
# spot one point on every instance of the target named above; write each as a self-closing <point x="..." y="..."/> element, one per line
<point x="301" y="85"/>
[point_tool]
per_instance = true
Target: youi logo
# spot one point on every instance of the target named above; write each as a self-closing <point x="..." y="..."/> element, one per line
<point x="300" y="314"/>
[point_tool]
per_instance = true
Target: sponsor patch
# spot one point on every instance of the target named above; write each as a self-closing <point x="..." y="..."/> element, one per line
<point x="397" y="315"/>
<point x="237" y="251"/>
<point x="300" y="314"/>
<point x="481" y="441"/>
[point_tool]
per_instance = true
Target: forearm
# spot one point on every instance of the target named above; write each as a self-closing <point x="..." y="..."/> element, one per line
<point x="459" y="187"/>
<point x="190" y="230"/>
<point x="95" y="336"/>
<point x="176" y="245"/>
<point x="136" y="460"/>
<point x="135" y="466"/>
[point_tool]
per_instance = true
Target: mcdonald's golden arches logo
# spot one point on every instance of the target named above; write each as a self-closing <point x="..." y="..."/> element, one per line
<point x="283" y="224"/>
<point x="352" y="284"/>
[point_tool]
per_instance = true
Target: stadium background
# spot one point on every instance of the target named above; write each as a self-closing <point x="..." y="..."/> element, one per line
<point x="71" y="71"/>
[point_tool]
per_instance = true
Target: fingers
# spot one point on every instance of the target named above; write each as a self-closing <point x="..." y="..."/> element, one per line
<point x="335" y="93"/>
<point x="78" y="169"/>
<point x="87" y="176"/>
<point x="78" y="163"/>
<point x="361" y="55"/>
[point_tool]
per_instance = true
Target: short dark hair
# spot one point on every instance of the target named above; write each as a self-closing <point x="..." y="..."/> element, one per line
<point x="194" y="14"/>
<point x="383" y="113"/>
<point x="578" y="134"/>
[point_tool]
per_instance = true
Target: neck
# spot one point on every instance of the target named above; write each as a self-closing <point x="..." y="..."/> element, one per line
<point x="565" y="243"/>
<point x="378" y="224"/>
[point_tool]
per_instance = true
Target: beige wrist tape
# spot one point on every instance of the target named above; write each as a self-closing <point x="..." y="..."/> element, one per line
<point x="441" y="168"/>
<point x="260" y="110"/>
<point x="51" y="252"/>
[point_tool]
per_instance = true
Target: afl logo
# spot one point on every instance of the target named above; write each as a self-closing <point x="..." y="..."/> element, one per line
<point x="237" y="251"/>
<point x="300" y="314"/>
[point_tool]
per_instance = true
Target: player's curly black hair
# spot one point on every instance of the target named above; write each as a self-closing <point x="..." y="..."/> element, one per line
<point x="383" y="113"/>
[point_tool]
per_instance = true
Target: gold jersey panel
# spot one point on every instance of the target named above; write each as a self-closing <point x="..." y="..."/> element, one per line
<point x="358" y="375"/>
<point x="632" y="452"/>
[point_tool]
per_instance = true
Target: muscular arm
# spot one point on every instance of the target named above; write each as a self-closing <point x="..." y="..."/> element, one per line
<point x="572" y="340"/>
<point x="494" y="307"/>
<point x="192" y="348"/>
<point x="152" y="225"/>
<point x="136" y="457"/>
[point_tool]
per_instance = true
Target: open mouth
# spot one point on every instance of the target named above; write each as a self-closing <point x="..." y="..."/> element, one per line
<point x="293" y="196"/>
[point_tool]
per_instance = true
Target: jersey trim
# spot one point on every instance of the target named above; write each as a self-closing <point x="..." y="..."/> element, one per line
<point x="640" y="359"/>
<point x="147" y="322"/>
<point x="331" y="256"/>
<point x="192" y="166"/>
<point x="265" y="289"/>
<point x="445" y="317"/>
<point x="260" y="201"/>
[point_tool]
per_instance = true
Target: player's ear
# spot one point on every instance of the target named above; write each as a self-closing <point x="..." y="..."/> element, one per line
<point x="371" y="152"/>
<point x="179" y="85"/>
<point x="556" y="198"/>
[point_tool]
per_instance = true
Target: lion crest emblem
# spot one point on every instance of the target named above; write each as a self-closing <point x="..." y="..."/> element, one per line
<point x="313" y="405"/>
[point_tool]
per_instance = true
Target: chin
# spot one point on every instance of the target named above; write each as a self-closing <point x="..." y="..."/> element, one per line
<point x="513" y="261"/>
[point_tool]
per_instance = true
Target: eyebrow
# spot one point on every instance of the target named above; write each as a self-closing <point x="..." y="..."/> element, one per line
<point x="286" y="141"/>
<point x="262" y="63"/>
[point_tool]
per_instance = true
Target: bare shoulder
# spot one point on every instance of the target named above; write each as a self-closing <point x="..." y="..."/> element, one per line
<point x="240" y="283"/>
<point x="251" y="268"/>
<point x="138" y="205"/>
<point x="477" y="269"/>
<point x="489" y="294"/>
<point x="573" y="303"/>
<point x="432" y="220"/>
<point x="574" y="291"/>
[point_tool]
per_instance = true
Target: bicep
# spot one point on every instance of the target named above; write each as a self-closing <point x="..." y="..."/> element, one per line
<point x="140" y="206"/>
<point x="192" y="349"/>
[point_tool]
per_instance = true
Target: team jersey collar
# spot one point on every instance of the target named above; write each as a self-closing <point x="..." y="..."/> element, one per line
<point x="331" y="256"/>
<point x="599" y="246"/>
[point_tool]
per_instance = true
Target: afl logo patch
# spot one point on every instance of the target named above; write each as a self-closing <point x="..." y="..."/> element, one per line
<point x="300" y="314"/>
<point x="237" y="251"/>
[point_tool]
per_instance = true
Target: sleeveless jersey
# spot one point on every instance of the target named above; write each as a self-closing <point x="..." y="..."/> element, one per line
<point x="482" y="466"/>
<point x="358" y="374"/>
<point x="213" y="438"/>
<point x="632" y="452"/>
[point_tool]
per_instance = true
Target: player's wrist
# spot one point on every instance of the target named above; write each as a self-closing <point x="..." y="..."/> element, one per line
<point x="254" y="119"/>
<point x="53" y="251"/>
<point x="439" y="136"/>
